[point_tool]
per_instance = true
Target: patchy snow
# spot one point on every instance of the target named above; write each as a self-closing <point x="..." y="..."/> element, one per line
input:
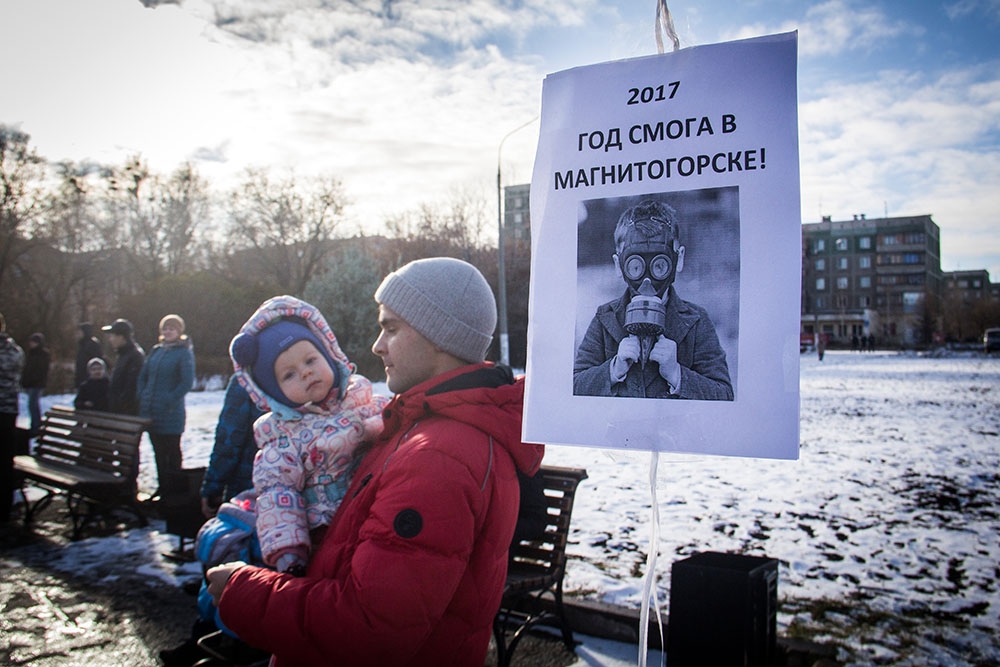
<point x="887" y="529"/>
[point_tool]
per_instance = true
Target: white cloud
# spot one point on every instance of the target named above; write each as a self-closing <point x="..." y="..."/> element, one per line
<point x="834" y="27"/>
<point x="964" y="8"/>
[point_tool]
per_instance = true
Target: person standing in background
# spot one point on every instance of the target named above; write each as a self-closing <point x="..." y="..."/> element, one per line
<point x="11" y="365"/>
<point x="125" y="374"/>
<point x="166" y="377"/>
<point x="35" y="377"/>
<point x="87" y="348"/>
<point x="230" y="468"/>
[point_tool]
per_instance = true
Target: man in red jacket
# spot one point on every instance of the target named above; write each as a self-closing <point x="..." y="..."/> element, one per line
<point x="412" y="567"/>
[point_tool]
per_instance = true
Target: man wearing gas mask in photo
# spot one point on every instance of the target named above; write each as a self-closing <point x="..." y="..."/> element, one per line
<point x="650" y="343"/>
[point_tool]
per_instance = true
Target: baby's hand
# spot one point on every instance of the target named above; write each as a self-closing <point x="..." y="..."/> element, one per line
<point x="628" y="354"/>
<point x="372" y="427"/>
<point x="291" y="561"/>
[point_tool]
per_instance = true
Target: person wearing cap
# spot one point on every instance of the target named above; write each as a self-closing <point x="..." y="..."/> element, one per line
<point x="650" y="343"/>
<point x="87" y="348"/>
<point x="411" y="570"/>
<point x="125" y="374"/>
<point x="11" y="365"/>
<point x="94" y="392"/>
<point x="318" y="411"/>
<point x="35" y="377"/>
<point x="164" y="380"/>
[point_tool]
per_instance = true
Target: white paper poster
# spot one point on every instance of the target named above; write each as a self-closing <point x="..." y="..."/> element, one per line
<point x="666" y="254"/>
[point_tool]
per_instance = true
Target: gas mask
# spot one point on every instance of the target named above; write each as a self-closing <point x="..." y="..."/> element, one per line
<point x="655" y="269"/>
<point x="649" y="276"/>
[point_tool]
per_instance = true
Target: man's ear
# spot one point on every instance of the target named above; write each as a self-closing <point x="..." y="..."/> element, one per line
<point x="618" y="266"/>
<point x="680" y="259"/>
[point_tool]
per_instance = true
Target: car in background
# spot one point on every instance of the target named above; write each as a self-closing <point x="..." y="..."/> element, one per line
<point x="991" y="340"/>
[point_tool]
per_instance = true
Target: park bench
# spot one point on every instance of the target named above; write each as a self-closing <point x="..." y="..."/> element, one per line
<point x="536" y="569"/>
<point x="91" y="458"/>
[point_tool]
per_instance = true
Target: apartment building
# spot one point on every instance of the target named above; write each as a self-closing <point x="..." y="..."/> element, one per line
<point x="517" y="212"/>
<point x="871" y="276"/>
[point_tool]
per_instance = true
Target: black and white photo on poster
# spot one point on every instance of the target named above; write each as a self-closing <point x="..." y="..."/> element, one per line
<point x="658" y="270"/>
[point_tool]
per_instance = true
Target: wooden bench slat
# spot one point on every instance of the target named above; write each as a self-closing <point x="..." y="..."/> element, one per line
<point x="85" y="451"/>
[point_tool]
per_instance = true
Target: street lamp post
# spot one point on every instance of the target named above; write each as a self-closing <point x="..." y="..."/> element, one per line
<point x="501" y="269"/>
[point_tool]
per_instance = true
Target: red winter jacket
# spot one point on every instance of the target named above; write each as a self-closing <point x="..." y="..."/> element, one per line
<point x="411" y="569"/>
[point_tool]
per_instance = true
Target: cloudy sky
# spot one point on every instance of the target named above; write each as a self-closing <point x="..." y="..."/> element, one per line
<point x="408" y="101"/>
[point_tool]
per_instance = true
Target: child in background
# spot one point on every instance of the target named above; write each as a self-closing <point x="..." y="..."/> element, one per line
<point x="95" y="391"/>
<point x="318" y="414"/>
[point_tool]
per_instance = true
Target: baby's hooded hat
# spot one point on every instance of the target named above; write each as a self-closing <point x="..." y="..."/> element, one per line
<point x="279" y="323"/>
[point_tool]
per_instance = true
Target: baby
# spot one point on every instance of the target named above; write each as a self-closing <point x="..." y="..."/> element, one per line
<point x="318" y="412"/>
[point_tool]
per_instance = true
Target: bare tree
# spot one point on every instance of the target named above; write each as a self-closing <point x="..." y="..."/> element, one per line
<point x="155" y="218"/>
<point x="21" y="175"/>
<point x="130" y="219"/>
<point x="71" y="220"/>
<point x="287" y="224"/>
<point x="454" y="228"/>
<point x="183" y="205"/>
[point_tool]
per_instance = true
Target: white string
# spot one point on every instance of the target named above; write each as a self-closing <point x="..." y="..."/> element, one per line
<point x="649" y="596"/>
<point x="664" y="23"/>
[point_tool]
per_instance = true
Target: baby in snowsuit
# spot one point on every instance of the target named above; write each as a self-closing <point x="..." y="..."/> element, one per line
<point x="318" y="412"/>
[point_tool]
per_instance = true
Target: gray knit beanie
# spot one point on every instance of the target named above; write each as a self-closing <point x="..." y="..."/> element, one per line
<point x="447" y="301"/>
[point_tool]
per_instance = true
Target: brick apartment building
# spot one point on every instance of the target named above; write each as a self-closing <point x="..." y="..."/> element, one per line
<point x="871" y="276"/>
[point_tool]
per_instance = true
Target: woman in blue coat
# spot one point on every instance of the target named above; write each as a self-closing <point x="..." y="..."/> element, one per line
<point x="166" y="377"/>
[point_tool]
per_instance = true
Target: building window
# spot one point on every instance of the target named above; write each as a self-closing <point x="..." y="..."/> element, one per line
<point x="913" y="258"/>
<point x="518" y="218"/>
<point x="865" y="242"/>
<point x="819" y="245"/>
<point x="842" y="263"/>
<point x="911" y="301"/>
<point x="911" y="238"/>
<point x="865" y="262"/>
<point x="820" y="302"/>
<point x="865" y="282"/>
<point x="842" y="282"/>
<point x="841" y="301"/>
<point x="840" y="244"/>
<point x="864" y="302"/>
<point x="821" y="283"/>
<point x="820" y="264"/>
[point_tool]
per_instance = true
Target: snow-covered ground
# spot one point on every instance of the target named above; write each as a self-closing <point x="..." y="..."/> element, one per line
<point x="887" y="529"/>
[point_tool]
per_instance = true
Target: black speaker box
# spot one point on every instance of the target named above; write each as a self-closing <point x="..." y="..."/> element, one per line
<point x="723" y="611"/>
